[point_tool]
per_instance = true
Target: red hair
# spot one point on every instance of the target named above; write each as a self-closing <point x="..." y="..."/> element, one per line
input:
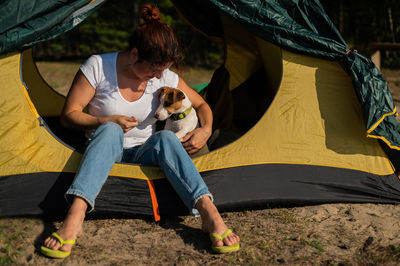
<point x="155" y="40"/>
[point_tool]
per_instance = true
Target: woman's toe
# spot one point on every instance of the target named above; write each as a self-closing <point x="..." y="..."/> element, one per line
<point x="231" y="239"/>
<point x="236" y="238"/>
<point x="216" y="242"/>
<point x="48" y="242"/>
<point x="51" y="243"/>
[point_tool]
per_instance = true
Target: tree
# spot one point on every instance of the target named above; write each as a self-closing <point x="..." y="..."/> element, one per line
<point x="110" y="27"/>
<point x="364" y="22"/>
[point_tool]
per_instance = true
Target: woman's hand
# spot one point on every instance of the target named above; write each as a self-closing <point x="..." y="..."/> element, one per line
<point x="125" y="122"/>
<point x="195" y="140"/>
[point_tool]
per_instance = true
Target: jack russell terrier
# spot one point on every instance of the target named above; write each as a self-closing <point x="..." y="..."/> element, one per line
<point x="175" y="105"/>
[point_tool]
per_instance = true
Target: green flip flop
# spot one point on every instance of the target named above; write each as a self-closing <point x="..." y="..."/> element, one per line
<point x="57" y="254"/>
<point x="224" y="249"/>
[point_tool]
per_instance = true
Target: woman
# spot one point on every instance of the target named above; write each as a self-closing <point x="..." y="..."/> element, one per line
<point x="120" y="91"/>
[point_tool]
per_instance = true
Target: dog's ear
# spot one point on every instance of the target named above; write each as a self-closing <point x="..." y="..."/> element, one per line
<point x="180" y="96"/>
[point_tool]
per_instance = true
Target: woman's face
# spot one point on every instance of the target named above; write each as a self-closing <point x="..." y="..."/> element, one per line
<point x="145" y="71"/>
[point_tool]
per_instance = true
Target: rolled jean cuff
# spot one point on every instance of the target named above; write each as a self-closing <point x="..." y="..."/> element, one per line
<point x="194" y="211"/>
<point x="73" y="192"/>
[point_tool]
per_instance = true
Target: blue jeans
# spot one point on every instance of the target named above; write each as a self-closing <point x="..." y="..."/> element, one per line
<point x="163" y="149"/>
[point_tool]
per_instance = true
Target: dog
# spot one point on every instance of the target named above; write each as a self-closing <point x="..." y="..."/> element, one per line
<point x="176" y="108"/>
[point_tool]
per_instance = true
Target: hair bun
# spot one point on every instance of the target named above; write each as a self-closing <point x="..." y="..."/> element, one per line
<point x="149" y="13"/>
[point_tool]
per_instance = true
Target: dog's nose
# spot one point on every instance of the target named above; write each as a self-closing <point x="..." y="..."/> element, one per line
<point x="156" y="116"/>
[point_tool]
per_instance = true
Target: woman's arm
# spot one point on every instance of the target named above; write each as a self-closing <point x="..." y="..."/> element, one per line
<point x="80" y="94"/>
<point x="196" y="139"/>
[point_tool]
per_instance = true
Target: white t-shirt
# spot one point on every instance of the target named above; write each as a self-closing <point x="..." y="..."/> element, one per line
<point x="100" y="70"/>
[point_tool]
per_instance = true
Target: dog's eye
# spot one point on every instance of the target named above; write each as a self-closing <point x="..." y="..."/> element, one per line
<point x="166" y="104"/>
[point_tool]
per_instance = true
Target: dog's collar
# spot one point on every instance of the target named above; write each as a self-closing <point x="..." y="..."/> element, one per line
<point x="182" y="115"/>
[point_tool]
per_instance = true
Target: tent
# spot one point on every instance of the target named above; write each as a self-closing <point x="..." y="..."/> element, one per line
<point x="300" y="118"/>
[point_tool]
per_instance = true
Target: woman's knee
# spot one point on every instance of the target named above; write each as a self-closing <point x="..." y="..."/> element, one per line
<point x="109" y="130"/>
<point x="166" y="137"/>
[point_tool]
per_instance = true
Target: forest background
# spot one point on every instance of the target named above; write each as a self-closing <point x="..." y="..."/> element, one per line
<point x="360" y="23"/>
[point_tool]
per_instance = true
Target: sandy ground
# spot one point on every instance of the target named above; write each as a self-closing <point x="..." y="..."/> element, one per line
<point x="331" y="234"/>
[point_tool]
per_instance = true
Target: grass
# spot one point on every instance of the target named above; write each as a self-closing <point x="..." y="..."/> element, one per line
<point x="10" y="243"/>
<point x="315" y="243"/>
<point x="58" y="75"/>
<point x="288" y="217"/>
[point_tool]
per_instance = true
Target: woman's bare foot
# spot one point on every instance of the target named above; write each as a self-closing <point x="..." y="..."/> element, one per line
<point x="71" y="227"/>
<point x="212" y="222"/>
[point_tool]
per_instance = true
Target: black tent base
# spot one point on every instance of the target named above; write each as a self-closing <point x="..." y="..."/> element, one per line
<point x="260" y="186"/>
<point x="234" y="189"/>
